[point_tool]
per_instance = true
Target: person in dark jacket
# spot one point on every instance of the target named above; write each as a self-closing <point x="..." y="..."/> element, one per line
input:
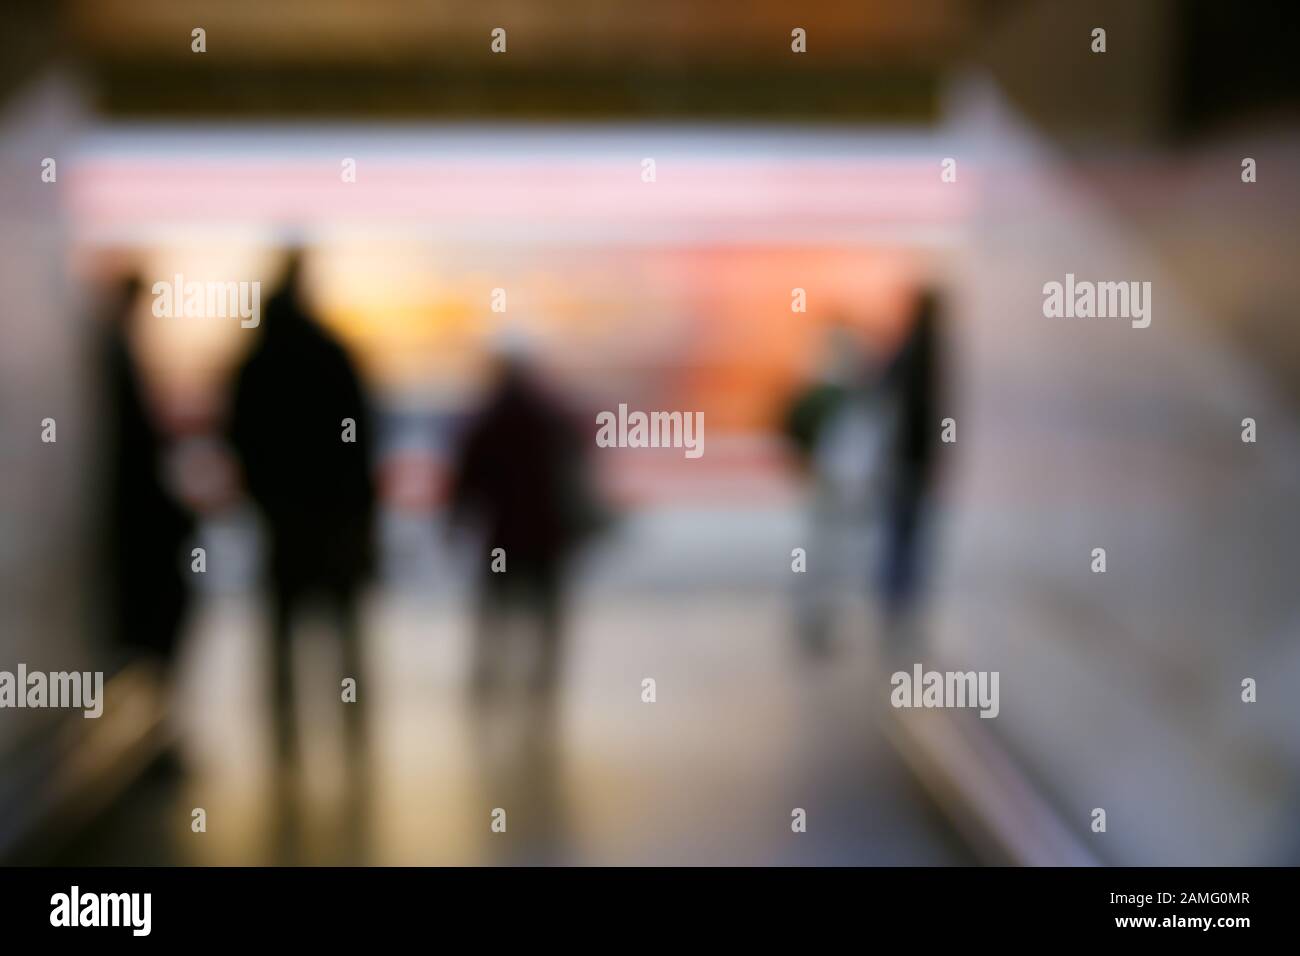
<point x="299" y="427"/>
<point x="146" y="528"/>
<point x="519" y="477"/>
<point x="912" y="380"/>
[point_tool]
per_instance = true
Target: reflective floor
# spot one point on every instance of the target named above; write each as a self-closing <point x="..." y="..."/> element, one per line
<point x="744" y="730"/>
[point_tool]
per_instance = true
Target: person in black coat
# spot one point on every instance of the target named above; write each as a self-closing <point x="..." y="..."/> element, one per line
<point x="145" y="528"/>
<point x="912" y="382"/>
<point x="300" y="428"/>
<point x="519" y="478"/>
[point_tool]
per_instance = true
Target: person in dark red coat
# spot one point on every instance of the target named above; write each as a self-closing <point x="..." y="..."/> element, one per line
<point x="519" y="479"/>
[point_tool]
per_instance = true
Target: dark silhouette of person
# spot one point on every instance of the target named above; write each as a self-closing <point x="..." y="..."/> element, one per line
<point x="912" y="380"/>
<point x="299" y="426"/>
<point x="145" y="529"/>
<point x="519" y="477"/>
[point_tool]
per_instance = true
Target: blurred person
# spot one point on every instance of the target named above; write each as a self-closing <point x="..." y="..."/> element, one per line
<point x="519" y="477"/>
<point x="293" y="398"/>
<point x="836" y="425"/>
<point x="912" y="382"/>
<point x="145" y="527"/>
